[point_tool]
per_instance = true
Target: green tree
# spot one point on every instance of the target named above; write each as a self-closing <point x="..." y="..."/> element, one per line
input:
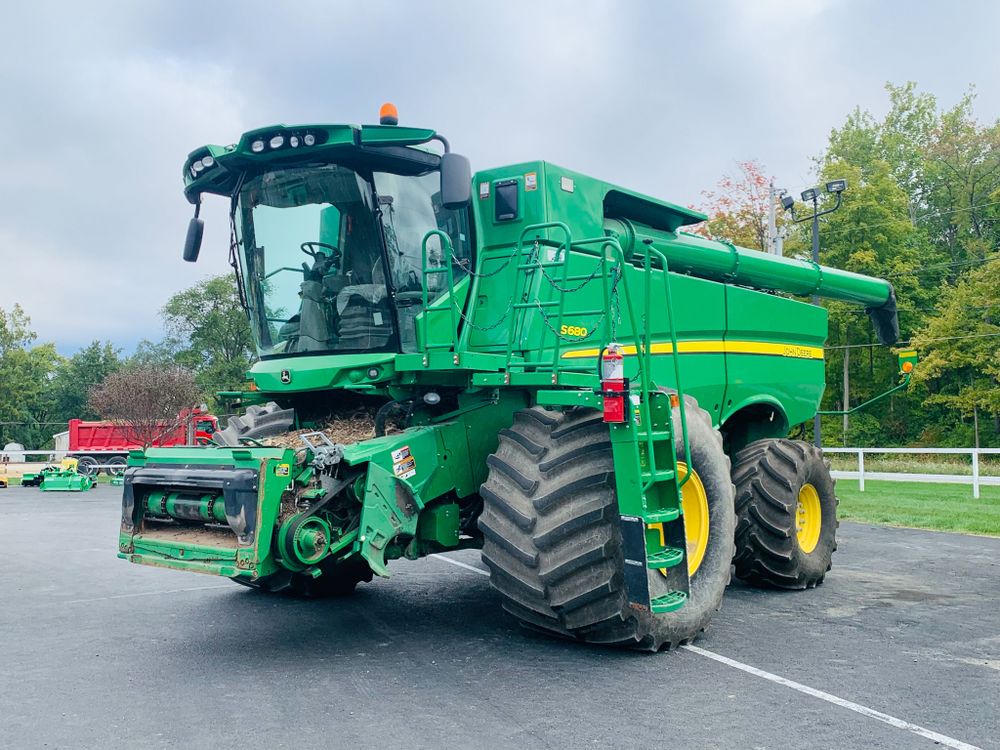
<point x="153" y="353"/>
<point x="963" y="172"/>
<point x="25" y="373"/>
<point x="208" y="332"/>
<point x="959" y="368"/>
<point x="919" y="213"/>
<point x="15" y="329"/>
<point x="75" y="376"/>
<point x="900" y="139"/>
<point x="870" y="234"/>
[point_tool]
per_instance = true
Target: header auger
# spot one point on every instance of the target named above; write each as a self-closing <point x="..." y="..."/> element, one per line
<point x="543" y="365"/>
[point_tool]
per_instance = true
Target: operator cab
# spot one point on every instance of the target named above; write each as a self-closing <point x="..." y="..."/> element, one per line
<point x="328" y="225"/>
<point x="331" y="259"/>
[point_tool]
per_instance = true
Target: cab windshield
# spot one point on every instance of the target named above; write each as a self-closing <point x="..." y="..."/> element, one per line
<point x="331" y="261"/>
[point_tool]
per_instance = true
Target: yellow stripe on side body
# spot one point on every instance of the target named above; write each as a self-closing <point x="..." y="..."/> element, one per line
<point x="716" y="346"/>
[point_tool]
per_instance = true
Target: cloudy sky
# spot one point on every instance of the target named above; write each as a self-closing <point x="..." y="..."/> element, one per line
<point x="100" y="102"/>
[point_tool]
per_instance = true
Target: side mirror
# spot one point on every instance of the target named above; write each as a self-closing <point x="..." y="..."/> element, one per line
<point x="192" y="243"/>
<point x="456" y="181"/>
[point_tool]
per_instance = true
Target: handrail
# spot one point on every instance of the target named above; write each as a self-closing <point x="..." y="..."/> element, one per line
<point x="519" y="255"/>
<point x="641" y="330"/>
<point x="447" y="252"/>
<point x="675" y="357"/>
<point x="642" y="355"/>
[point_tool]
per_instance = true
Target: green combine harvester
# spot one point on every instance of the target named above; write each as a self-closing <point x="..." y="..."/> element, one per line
<point x="557" y="374"/>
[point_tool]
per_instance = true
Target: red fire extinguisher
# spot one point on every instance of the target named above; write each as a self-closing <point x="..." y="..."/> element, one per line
<point x="613" y="383"/>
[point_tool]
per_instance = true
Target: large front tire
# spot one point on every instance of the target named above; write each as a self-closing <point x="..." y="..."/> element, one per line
<point x="256" y="423"/>
<point x="552" y="538"/>
<point x="787" y="514"/>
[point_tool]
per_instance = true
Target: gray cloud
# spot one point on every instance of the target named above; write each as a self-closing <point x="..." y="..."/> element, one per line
<point x="102" y="102"/>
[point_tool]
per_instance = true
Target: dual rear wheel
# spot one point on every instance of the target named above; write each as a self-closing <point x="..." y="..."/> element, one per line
<point x="553" y="544"/>
<point x="787" y="508"/>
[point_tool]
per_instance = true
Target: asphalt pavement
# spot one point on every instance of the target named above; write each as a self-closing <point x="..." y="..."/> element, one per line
<point x="900" y="648"/>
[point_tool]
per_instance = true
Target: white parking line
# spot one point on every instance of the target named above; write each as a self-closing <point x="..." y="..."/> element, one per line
<point x="850" y="705"/>
<point x="144" y="593"/>
<point x="473" y="568"/>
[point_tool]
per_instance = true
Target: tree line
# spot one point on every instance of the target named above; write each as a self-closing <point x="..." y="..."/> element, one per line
<point x="206" y="334"/>
<point x="923" y="211"/>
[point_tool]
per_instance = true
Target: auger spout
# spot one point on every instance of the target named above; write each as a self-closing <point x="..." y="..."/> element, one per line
<point x="720" y="261"/>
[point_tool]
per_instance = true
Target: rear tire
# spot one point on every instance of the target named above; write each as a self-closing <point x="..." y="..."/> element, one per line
<point x="552" y="538"/>
<point x="772" y="545"/>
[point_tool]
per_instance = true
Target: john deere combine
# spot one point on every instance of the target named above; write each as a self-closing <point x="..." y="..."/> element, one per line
<point x="559" y="375"/>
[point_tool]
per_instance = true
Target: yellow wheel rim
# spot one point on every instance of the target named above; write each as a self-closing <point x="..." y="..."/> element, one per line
<point x="808" y="518"/>
<point x="694" y="504"/>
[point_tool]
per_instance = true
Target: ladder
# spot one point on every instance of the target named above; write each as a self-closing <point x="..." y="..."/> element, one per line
<point x="647" y="480"/>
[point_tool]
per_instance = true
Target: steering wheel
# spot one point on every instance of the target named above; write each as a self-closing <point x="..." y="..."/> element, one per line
<point x="310" y="249"/>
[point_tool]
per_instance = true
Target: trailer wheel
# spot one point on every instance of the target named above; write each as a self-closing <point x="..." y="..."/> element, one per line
<point x="787" y="514"/>
<point x="87" y="465"/>
<point x="552" y="537"/>
<point x="116" y="466"/>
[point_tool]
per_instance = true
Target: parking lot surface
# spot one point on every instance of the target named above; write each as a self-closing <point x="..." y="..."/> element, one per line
<point x="95" y="652"/>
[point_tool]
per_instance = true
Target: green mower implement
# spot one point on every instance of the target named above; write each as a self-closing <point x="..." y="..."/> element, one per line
<point x="35" y="478"/>
<point x="528" y="361"/>
<point x="65" y="478"/>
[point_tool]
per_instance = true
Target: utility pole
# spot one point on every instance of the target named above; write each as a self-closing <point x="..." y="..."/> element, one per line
<point x="847" y="389"/>
<point x="836" y="187"/>
<point x="817" y="432"/>
<point x="774" y="238"/>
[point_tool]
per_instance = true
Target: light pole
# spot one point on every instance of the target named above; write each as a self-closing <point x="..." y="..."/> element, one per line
<point x="837" y="187"/>
<point x="774" y="237"/>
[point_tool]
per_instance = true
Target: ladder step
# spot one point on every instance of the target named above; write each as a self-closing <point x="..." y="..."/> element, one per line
<point x="659" y="475"/>
<point x="660" y="434"/>
<point x="669" y="602"/>
<point x="668" y="557"/>
<point x="661" y="516"/>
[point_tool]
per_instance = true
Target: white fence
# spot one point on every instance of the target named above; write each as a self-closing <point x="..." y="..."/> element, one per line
<point x="975" y="479"/>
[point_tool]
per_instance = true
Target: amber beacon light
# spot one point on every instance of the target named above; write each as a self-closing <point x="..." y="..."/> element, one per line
<point x="388" y="114"/>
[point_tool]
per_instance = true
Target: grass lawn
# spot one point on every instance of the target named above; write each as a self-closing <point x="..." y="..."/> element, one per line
<point x="944" y="507"/>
